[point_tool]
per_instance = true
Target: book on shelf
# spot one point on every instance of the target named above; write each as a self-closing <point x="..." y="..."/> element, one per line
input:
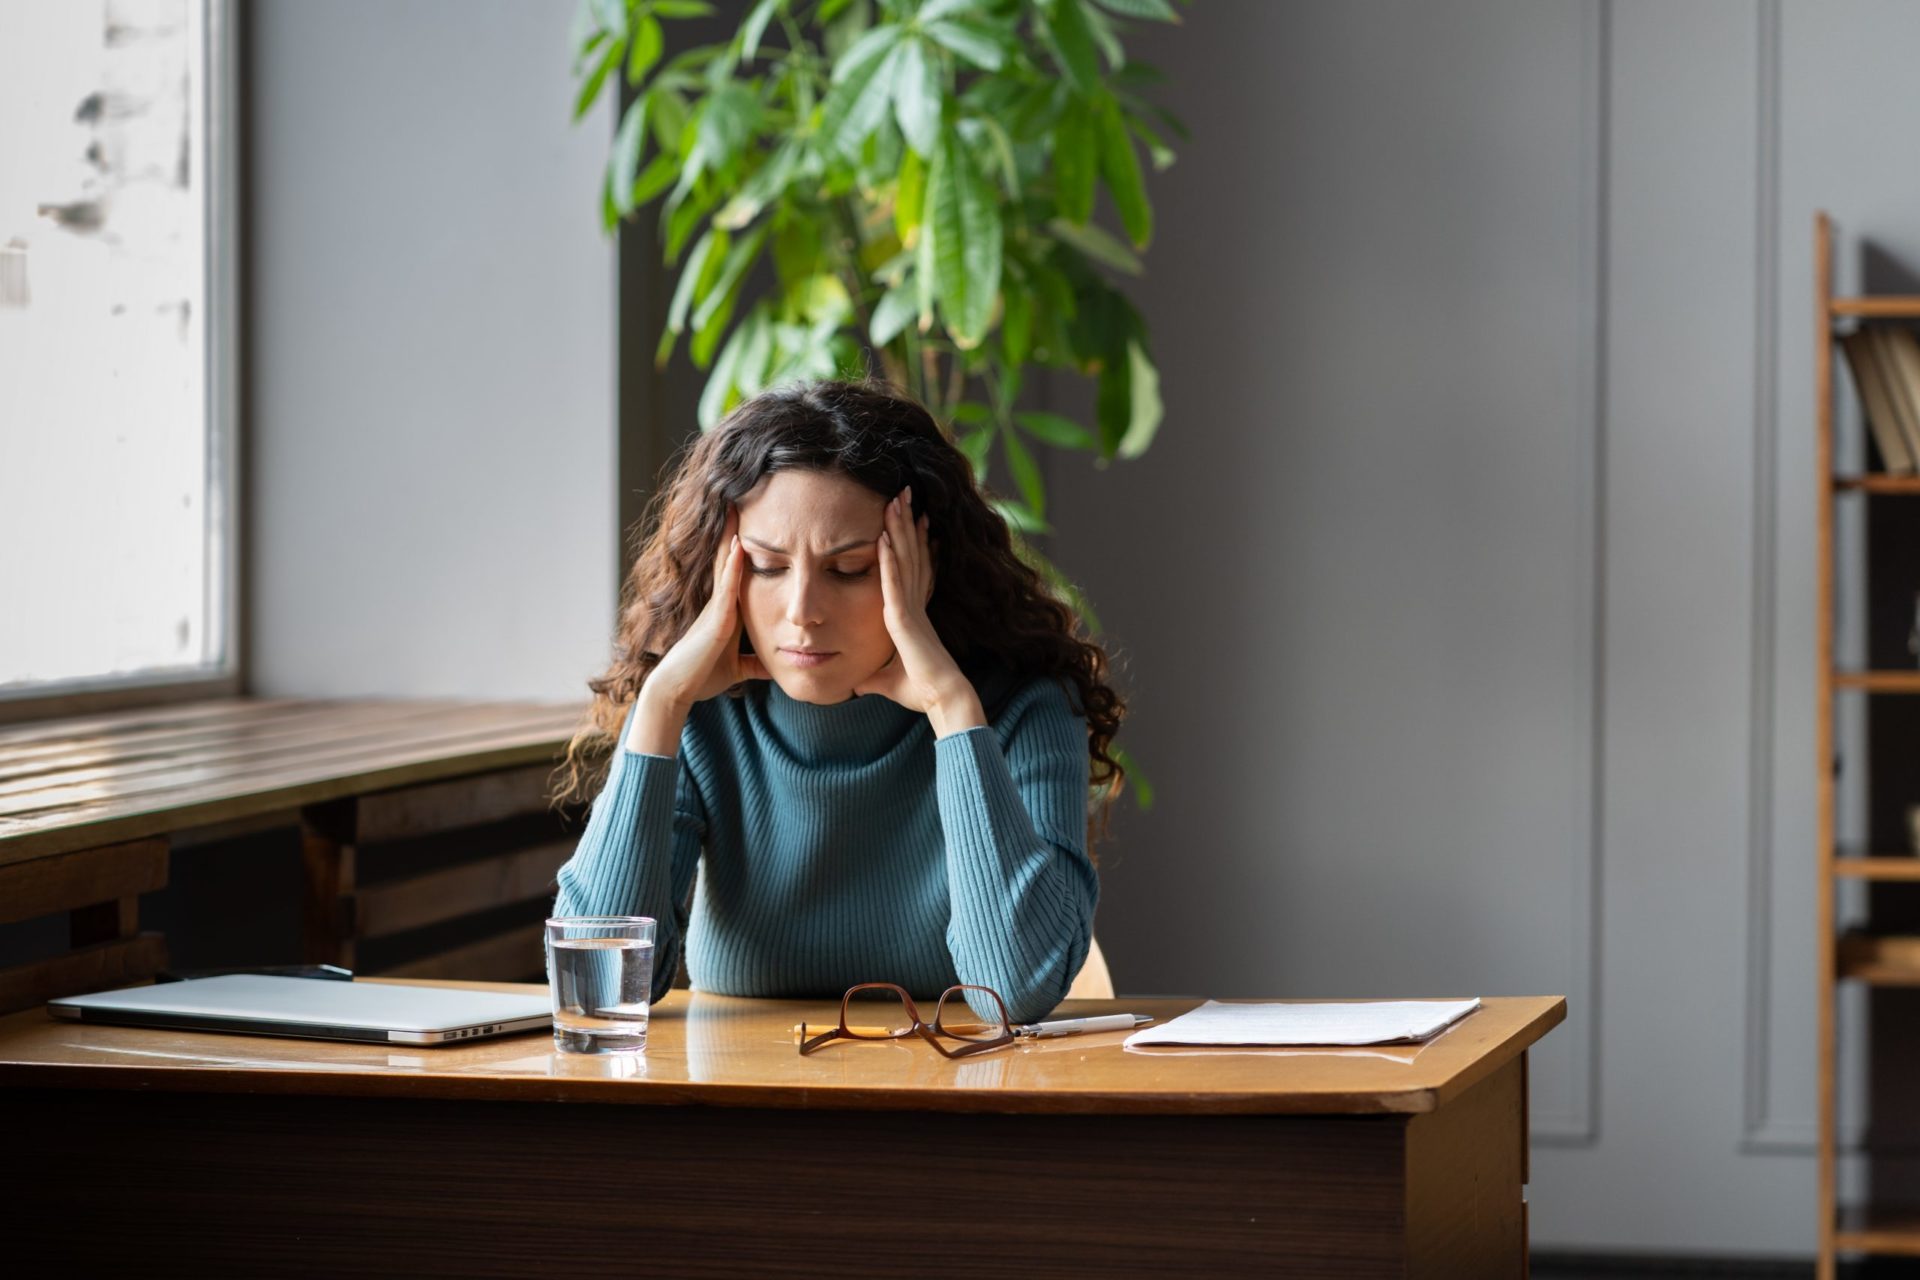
<point x="1873" y="379"/>
<point x="1901" y="360"/>
<point x="1862" y="950"/>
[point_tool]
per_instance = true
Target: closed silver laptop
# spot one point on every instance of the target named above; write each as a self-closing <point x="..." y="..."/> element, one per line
<point x="316" y="1009"/>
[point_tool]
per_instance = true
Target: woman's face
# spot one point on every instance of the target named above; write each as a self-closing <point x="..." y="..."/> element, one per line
<point x="811" y="594"/>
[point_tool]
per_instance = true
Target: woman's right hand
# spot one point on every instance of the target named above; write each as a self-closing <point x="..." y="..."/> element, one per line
<point x="701" y="664"/>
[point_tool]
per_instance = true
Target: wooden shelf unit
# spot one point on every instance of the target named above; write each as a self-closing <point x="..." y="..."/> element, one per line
<point x="1888" y="1231"/>
<point x="1892" y="866"/>
<point x="1858" y="957"/>
<point x="1877" y="484"/>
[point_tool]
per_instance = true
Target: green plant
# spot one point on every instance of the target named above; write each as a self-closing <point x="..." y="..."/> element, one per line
<point x="922" y="177"/>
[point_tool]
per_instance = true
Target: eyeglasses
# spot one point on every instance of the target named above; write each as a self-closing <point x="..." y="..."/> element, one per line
<point x="895" y="1016"/>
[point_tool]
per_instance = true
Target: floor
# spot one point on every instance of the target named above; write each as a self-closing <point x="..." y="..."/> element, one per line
<point x="1555" y="1266"/>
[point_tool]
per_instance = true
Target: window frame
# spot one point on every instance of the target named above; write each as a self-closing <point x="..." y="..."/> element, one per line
<point x="219" y="106"/>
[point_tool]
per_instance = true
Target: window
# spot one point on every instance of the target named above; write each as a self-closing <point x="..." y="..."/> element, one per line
<point x="117" y="443"/>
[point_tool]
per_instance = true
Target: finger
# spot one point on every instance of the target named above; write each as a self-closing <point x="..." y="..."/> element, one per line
<point x="919" y="580"/>
<point x="751" y="668"/>
<point x="900" y="527"/>
<point x="926" y="559"/>
<point x="728" y="530"/>
<point x="720" y="617"/>
<point x="889" y="570"/>
<point x="726" y="581"/>
<point x="736" y="572"/>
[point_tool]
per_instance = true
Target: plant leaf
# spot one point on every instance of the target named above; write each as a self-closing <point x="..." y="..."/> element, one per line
<point x="610" y="16"/>
<point x="609" y="208"/>
<point x="926" y="271"/>
<point x="821" y="301"/>
<point x="1076" y="158"/>
<point x="756" y="352"/>
<point x="976" y="44"/>
<point x="975" y="445"/>
<point x="1144" y="407"/>
<point x="862" y="86"/>
<point x="586" y="49"/>
<point x="655" y="178"/>
<point x="669" y="118"/>
<point x="1051" y="428"/>
<point x="891" y="317"/>
<point x="703" y="264"/>
<point x="647" y="42"/>
<point x="627" y="145"/>
<point x="934" y="10"/>
<point x="717" y="396"/>
<point x="1025" y="472"/>
<point x="716" y="308"/>
<point x="609" y="59"/>
<point x="1151" y="10"/>
<point x="728" y="119"/>
<point x="1072" y="43"/>
<point x="917" y="98"/>
<point x="683" y="8"/>
<point x="1100" y="27"/>
<point x="767" y="182"/>
<point x="1095" y="243"/>
<point x="755" y="27"/>
<point x="964" y="229"/>
<point x="1019" y="518"/>
<point x="909" y="195"/>
<point x="1120" y="166"/>
<point x="683" y="219"/>
<point x="1142" y="788"/>
<point x="1016" y="326"/>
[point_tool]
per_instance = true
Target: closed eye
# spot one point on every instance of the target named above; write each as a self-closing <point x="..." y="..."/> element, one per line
<point x="844" y="575"/>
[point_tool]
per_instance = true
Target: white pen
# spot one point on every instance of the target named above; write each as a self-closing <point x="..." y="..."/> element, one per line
<point x="1074" y="1026"/>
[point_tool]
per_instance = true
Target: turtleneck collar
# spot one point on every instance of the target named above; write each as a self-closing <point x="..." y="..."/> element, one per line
<point x="858" y="730"/>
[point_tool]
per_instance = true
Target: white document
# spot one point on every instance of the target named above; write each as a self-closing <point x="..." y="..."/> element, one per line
<point x="1360" y="1022"/>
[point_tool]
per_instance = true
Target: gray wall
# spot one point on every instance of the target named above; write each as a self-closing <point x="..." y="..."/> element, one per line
<point x="431" y="419"/>
<point x="1471" y="634"/>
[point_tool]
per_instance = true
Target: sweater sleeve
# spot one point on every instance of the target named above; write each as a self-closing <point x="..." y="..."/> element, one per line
<point x="1013" y="811"/>
<point x="639" y="853"/>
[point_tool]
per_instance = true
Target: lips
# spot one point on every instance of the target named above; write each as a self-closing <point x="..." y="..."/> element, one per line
<point x="809" y="657"/>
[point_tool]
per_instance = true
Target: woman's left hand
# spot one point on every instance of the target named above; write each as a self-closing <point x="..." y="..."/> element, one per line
<point x="921" y="675"/>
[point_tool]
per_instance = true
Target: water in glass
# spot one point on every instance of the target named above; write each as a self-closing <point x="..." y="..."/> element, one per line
<point x="600" y="989"/>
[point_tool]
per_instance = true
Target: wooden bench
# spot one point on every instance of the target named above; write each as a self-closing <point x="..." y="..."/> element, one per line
<point x="411" y="814"/>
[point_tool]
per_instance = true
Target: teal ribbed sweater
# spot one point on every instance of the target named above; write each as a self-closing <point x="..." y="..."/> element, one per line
<point x="844" y="844"/>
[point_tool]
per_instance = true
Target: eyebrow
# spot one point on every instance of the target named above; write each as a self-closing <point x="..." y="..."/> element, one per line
<point x="855" y="545"/>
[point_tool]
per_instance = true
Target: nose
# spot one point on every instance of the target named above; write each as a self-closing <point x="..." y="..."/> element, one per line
<point x="803" y="598"/>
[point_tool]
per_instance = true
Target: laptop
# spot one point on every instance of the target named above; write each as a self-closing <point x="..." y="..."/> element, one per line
<point x="314" y="1009"/>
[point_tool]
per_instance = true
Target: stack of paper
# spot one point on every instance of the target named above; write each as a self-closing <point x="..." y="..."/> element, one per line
<point x="1363" y="1022"/>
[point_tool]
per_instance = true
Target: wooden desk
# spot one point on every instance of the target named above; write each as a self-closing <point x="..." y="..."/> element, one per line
<point x="721" y="1152"/>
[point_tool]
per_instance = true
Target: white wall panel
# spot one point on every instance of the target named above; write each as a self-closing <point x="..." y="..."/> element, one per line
<point x="432" y="320"/>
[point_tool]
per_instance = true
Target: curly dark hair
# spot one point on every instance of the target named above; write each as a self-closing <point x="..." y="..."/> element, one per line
<point x="989" y="608"/>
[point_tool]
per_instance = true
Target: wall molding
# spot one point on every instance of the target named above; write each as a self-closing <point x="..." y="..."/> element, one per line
<point x="1761" y="1132"/>
<point x="1580" y="1126"/>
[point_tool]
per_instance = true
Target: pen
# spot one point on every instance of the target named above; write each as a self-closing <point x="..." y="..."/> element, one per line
<point x="1075" y="1026"/>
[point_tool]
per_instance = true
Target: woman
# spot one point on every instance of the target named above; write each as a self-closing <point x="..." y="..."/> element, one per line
<point x="896" y="788"/>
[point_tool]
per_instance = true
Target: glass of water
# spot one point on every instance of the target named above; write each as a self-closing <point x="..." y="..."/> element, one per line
<point x="601" y="972"/>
